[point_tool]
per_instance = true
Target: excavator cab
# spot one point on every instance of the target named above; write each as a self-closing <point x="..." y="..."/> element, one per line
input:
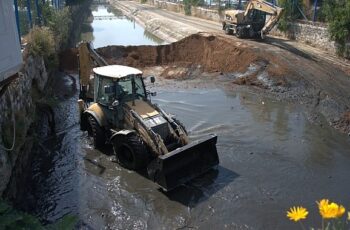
<point x="253" y="21"/>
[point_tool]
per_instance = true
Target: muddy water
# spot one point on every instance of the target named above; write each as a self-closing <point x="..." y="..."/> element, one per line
<point x="271" y="158"/>
<point x="108" y="27"/>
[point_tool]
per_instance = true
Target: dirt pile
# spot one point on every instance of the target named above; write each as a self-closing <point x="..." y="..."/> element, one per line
<point x="211" y="52"/>
<point x="192" y="55"/>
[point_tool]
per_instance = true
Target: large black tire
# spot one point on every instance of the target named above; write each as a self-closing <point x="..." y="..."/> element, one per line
<point x="131" y="152"/>
<point x="240" y="32"/>
<point x="181" y="125"/>
<point x="96" y="132"/>
<point x="228" y="31"/>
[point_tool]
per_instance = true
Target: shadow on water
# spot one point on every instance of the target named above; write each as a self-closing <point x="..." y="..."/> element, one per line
<point x="190" y="194"/>
<point x="202" y="188"/>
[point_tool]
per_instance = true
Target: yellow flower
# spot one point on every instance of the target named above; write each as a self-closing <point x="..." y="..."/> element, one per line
<point x="297" y="213"/>
<point x="330" y="210"/>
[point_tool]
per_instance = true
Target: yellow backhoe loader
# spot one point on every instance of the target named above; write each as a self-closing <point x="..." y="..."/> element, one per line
<point x="115" y="108"/>
<point x="251" y="22"/>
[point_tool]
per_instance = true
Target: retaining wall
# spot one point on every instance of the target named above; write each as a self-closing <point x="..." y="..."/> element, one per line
<point x="314" y="34"/>
<point x="199" y="12"/>
<point x="18" y="99"/>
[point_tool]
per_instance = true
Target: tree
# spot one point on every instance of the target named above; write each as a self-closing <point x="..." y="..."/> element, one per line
<point x="337" y="14"/>
<point x="291" y="13"/>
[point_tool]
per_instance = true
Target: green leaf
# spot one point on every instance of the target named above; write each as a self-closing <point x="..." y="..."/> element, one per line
<point x="30" y="222"/>
<point x="67" y="222"/>
<point x="3" y="207"/>
<point x="9" y="219"/>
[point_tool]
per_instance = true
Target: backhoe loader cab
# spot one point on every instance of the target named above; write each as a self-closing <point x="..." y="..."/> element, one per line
<point x="142" y="134"/>
<point x="116" y="84"/>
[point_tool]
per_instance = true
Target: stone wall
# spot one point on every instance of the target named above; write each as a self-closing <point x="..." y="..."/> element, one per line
<point x="199" y="12"/>
<point x="18" y="101"/>
<point x="314" y="34"/>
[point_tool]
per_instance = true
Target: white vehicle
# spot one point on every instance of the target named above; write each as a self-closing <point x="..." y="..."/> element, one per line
<point x="10" y="55"/>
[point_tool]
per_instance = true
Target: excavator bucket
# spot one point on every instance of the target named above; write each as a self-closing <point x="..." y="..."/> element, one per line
<point x="185" y="163"/>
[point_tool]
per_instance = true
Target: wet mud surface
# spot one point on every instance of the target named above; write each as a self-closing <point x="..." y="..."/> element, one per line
<point x="271" y="157"/>
<point x="320" y="87"/>
<point x="273" y="111"/>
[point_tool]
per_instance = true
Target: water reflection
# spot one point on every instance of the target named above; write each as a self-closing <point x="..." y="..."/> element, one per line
<point x="108" y="26"/>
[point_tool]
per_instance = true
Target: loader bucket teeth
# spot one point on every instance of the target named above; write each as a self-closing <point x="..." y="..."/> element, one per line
<point x="185" y="163"/>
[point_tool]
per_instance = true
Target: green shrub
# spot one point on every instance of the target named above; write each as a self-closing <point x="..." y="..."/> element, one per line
<point x="337" y="14"/>
<point x="187" y="6"/>
<point x="290" y="14"/>
<point x="11" y="218"/>
<point x="189" y="3"/>
<point x="42" y="44"/>
<point x="59" y="21"/>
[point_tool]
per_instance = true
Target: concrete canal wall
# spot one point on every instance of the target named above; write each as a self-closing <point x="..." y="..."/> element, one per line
<point x="17" y="108"/>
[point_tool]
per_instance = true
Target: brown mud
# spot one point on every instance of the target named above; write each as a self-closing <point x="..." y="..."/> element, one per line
<point x="320" y="87"/>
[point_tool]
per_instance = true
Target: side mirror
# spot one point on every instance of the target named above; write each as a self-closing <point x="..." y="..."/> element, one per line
<point x="153" y="94"/>
<point x="115" y="103"/>
<point x="153" y="79"/>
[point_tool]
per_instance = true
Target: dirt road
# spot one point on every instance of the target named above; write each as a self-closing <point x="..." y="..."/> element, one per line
<point x="287" y="70"/>
<point x="216" y="27"/>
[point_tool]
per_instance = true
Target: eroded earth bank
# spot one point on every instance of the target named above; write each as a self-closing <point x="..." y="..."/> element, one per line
<point x="319" y="86"/>
<point x="274" y="110"/>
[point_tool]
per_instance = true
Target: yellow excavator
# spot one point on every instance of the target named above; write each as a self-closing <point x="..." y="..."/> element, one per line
<point x="115" y="108"/>
<point x="255" y="21"/>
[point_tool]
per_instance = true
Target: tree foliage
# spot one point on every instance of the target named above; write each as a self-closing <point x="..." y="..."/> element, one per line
<point x="11" y="218"/>
<point x="291" y="13"/>
<point x="189" y="3"/>
<point x="42" y="44"/>
<point x="59" y="22"/>
<point x="337" y="14"/>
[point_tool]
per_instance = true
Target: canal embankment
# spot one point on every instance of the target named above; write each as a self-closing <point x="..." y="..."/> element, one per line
<point x="27" y="102"/>
<point x="293" y="74"/>
<point x="161" y="27"/>
<point x="271" y="155"/>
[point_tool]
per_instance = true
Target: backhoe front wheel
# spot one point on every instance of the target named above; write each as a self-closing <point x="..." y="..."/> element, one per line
<point x="240" y="33"/>
<point x="96" y="132"/>
<point x="131" y="152"/>
<point x="228" y="30"/>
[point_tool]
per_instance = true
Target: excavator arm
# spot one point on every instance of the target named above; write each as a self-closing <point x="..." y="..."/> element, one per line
<point x="274" y="11"/>
<point x="88" y="58"/>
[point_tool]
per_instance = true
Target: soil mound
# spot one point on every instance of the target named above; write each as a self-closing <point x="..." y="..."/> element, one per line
<point x="213" y="53"/>
<point x="198" y="52"/>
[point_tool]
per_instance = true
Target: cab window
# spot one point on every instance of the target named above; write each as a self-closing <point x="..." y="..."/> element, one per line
<point x="105" y="95"/>
<point x="139" y="87"/>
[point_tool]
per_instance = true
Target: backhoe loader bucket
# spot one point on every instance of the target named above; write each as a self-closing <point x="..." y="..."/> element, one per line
<point x="184" y="164"/>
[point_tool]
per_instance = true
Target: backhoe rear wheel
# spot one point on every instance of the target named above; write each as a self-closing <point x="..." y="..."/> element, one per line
<point x="131" y="152"/>
<point x="96" y="132"/>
